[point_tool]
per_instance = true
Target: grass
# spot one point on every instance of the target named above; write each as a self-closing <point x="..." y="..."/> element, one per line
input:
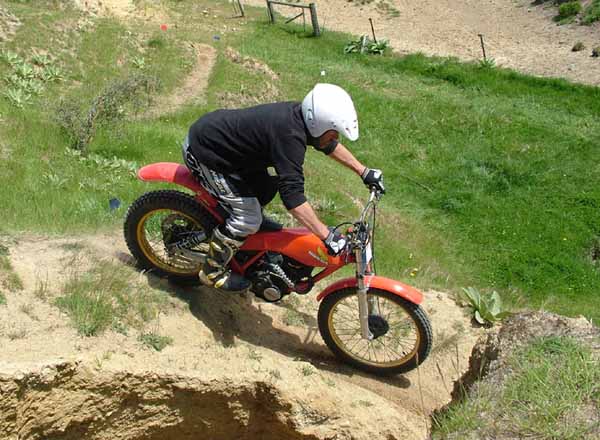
<point x="491" y="173"/>
<point x="551" y="392"/>
<point x="106" y="297"/>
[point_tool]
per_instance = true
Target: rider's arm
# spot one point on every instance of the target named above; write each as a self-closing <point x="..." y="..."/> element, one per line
<point x="307" y="216"/>
<point x="342" y="155"/>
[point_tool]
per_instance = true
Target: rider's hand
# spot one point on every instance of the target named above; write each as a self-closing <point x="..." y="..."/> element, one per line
<point x="335" y="242"/>
<point x="373" y="178"/>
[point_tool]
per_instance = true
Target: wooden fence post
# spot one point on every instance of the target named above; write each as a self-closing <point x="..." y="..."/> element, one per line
<point x="271" y="12"/>
<point x="314" y="20"/>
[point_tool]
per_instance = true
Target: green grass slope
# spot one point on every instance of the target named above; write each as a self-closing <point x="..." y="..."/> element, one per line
<point x="492" y="175"/>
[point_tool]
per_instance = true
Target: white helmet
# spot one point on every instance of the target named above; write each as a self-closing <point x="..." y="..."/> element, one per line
<point x="329" y="107"/>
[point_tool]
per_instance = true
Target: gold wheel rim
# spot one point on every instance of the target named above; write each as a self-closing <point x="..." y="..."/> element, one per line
<point x="149" y="251"/>
<point x="378" y="352"/>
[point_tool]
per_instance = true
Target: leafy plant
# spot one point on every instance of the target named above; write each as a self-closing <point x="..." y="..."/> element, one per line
<point x="139" y="63"/>
<point x="24" y="70"/>
<point x="155" y="341"/>
<point x="41" y="60"/>
<point x="365" y="45"/>
<point x="17" y="97"/>
<point x="51" y="74"/>
<point x="11" y="58"/>
<point x="486" y="309"/>
<point x="488" y="63"/>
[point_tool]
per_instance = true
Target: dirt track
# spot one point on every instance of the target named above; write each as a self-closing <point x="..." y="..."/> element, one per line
<point x="517" y="34"/>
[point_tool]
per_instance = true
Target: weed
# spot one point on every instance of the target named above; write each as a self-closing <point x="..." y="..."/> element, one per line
<point x="2" y="298"/>
<point x="486" y="309"/>
<point x="293" y="318"/>
<point x="16" y="333"/>
<point x="17" y="97"/>
<point x="42" y="289"/>
<point x="596" y="52"/>
<point x="387" y="8"/>
<point x="578" y="47"/>
<point x="275" y="374"/>
<point x="254" y="355"/>
<point x="9" y="280"/>
<point x="487" y="63"/>
<point x="139" y="63"/>
<point x="156" y="42"/>
<point x="365" y="45"/>
<point x="307" y="370"/>
<point x="110" y="106"/>
<point x="27" y="308"/>
<point x="155" y="341"/>
<point x="41" y="60"/>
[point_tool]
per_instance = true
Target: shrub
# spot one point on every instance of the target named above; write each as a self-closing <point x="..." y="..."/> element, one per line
<point x="591" y="13"/>
<point x="596" y="52"/>
<point x="569" y="10"/>
<point x="110" y="106"/>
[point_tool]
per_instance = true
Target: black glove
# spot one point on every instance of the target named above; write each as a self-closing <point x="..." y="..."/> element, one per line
<point x="373" y="179"/>
<point x="335" y="242"/>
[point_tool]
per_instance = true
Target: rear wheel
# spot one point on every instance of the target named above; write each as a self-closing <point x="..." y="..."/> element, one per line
<point x="167" y="232"/>
<point x="402" y="336"/>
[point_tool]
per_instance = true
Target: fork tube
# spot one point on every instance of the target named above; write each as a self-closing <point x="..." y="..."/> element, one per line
<point x="363" y="306"/>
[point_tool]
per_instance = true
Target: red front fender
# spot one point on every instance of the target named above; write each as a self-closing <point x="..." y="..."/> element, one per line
<point x="397" y="288"/>
<point x="170" y="172"/>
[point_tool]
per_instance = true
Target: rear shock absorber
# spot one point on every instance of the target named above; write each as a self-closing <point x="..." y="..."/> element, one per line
<point x="193" y="240"/>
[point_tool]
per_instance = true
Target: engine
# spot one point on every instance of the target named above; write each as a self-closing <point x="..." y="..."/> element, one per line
<point x="276" y="275"/>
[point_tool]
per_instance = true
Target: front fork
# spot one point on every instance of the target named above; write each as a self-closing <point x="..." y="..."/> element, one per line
<point x="365" y="303"/>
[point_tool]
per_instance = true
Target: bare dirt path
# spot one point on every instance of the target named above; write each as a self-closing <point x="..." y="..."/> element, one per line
<point x="217" y="339"/>
<point x="517" y="34"/>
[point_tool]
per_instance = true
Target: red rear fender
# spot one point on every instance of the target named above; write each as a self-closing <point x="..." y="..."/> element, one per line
<point x="169" y="172"/>
<point x="397" y="288"/>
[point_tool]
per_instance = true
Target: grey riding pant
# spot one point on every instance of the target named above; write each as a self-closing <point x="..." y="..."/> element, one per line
<point x="241" y="196"/>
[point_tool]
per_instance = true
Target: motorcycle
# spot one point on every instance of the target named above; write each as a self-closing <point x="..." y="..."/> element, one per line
<point x="373" y="323"/>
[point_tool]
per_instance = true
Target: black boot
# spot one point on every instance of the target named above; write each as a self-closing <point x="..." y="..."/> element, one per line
<point x="214" y="272"/>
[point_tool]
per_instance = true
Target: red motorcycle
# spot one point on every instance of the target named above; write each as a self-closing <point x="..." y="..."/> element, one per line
<point x="371" y="322"/>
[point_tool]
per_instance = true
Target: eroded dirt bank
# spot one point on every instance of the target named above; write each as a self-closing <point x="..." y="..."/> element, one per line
<point x="241" y="359"/>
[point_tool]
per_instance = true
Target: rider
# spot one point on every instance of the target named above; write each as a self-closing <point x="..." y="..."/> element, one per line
<point x="229" y="152"/>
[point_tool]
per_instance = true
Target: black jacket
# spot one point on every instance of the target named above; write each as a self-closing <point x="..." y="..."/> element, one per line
<point x="252" y="139"/>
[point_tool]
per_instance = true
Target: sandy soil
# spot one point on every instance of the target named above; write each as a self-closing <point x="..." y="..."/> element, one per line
<point x="517" y="34"/>
<point x="219" y="338"/>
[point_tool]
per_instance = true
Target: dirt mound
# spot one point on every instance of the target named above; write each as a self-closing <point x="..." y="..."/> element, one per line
<point x="517" y="34"/>
<point x="260" y="352"/>
<point x="490" y="353"/>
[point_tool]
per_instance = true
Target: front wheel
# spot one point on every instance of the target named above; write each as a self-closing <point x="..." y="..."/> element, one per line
<point x="167" y="232"/>
<point x="402" y="336"/>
